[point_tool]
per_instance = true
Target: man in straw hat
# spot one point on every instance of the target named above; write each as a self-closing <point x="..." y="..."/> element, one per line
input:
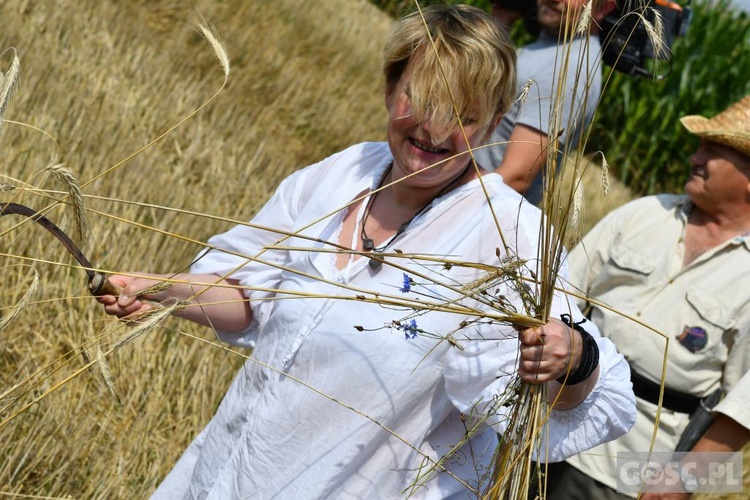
<point x="679" y="264"/>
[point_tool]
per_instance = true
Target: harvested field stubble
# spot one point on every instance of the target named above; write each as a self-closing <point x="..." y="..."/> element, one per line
<point x="102" y="79"/>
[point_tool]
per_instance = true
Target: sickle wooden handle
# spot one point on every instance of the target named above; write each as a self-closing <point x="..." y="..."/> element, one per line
<point x="99" y="285"/>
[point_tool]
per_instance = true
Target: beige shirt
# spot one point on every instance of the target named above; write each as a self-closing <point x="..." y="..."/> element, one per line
<point x="633" y="261"/>
<point x="736" y="404"/>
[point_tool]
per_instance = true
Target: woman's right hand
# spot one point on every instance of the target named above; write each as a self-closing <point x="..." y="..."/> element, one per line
<point x="130" y="301"/>
<point x="206" y="299"/>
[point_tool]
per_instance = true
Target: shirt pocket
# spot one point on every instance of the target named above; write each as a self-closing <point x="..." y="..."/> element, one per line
<point x="709" y="309"/>
<point x="707" y="317"/>
<point x="629" y="268"/>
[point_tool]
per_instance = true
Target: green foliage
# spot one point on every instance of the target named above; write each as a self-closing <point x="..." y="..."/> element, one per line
<point x="637" y="124"/>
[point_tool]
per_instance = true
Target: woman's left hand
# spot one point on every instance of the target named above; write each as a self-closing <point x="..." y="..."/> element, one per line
<point x="548" y="352"/>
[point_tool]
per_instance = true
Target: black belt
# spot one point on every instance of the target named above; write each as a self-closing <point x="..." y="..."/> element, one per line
<point x="673" y="400"/>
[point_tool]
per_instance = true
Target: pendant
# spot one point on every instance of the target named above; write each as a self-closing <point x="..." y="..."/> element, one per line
<point x="375" y="264"/>
<point x="368" y="244"/>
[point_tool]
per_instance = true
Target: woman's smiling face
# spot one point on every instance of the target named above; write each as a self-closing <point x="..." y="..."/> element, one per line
<point x="412" y="146"/>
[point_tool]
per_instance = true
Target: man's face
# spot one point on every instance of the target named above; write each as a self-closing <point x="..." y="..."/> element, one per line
<point x="553" y="15"/>
<point x="719" y="176"/>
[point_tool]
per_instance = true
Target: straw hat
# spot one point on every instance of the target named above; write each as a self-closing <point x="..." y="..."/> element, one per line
<point x="730" y="127"/>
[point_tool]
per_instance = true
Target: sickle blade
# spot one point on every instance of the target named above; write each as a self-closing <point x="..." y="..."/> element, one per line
<point x="16" y="209"/>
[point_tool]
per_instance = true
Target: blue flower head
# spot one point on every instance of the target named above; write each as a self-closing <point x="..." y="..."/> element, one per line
<point x="407" y="284"/>
<point x="410" y="329"/>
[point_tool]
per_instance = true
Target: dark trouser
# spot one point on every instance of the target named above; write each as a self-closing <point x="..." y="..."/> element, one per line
<point x="565" y="482"/>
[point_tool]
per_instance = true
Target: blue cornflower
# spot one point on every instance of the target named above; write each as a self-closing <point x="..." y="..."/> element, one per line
<point x="410" y="329"/>
<point x="407" y="284"/>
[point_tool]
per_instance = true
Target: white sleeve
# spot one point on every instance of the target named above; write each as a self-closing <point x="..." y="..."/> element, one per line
<point x="478" y="375"/>
<point x="240" y="254"/>
<point x="608" y="411"/>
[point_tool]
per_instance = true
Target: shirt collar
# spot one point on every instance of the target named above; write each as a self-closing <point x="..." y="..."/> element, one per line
<point x="686" y="206"/>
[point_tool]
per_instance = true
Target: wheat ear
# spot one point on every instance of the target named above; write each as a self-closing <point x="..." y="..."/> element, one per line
<point x="8" y="83"/>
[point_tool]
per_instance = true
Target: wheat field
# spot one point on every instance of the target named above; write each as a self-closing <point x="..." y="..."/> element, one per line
<point x="102" y="79"/>
<point x="99" y="80"/>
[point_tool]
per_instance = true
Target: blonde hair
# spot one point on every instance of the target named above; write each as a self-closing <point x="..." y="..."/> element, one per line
<point x="470" y="71"/>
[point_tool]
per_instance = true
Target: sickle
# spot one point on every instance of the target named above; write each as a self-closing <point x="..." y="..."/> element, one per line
<point x="99" y="284"/>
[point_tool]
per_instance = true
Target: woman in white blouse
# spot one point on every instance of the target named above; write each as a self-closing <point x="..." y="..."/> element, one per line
<point x="347" y="394"/>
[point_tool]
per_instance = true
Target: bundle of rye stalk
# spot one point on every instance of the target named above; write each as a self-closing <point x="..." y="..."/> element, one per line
<point x="562" y="204"/>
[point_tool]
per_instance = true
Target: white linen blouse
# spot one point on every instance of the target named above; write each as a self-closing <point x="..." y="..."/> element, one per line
<point x="336" y="402"/>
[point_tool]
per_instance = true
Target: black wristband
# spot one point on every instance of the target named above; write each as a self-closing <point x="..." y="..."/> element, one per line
<point x="589" y="354"/>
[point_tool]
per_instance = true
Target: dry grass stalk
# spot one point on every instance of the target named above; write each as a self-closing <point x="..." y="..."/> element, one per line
<point x="216" y="44"/>
<point x="576" y="213"/>
<point x="605" y="175"/>
<point x="8" y="83"/>
<point x="563" y="206"/>
<point x="515" y="470"/>
<point x="221" y="54"/>
<point x="106" y="372"/>
<point x="583" y="25"/>
<point x="655" y="33"/>
<point x="7" y="318"/>
<point x="144" y="323"/>
<point x="73" y="189"/>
